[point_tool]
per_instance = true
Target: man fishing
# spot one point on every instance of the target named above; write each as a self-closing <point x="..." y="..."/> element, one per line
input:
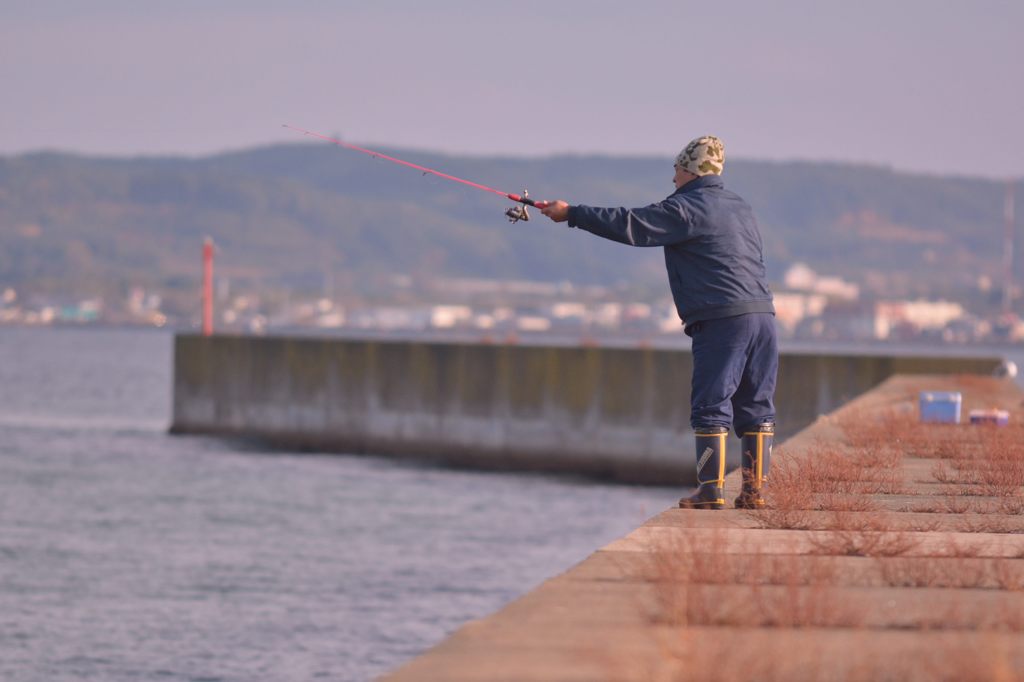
<point x="715" y="262"/>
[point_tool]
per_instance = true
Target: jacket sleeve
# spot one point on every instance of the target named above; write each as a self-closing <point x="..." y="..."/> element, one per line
<point x="661" y="224"/>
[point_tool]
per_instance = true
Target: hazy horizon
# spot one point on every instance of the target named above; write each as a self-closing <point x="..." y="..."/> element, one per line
<point x="488" y="156"/>
<point x="907" y="86"/>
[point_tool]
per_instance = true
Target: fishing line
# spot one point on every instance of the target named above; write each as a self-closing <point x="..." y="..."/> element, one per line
<point x="513" y="214"/>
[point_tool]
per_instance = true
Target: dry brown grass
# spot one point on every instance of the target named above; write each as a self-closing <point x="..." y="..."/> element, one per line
<point x="1010" y="505"/>
<point x="983" y="461"/>
<point x="682" y="563"/>
<point x="859" y="472"/>
<point x="838" y="502"/>
<point x="952" y="657"/>
<point x="943" y="472"/>
<point x="865" y="430"/>
<point x="696" y="585"/>
<point x="910" y="572"/>
<point x="924" y="525"/>
<point x="982" y="470"/>
<point x="855" y="521"/>
<point x="979" y="657"/>
<point x="938" y="572"/>
<point x="789" y="495"/>
<point x="829" y="479"/>
<point x="804" y="606"/>
<point x="960" y="549"/>
<point x="1009" y="574"/>
<point x="864" y="543"/>
<point x="956" y="504"/>
<point x="981" y="523"/>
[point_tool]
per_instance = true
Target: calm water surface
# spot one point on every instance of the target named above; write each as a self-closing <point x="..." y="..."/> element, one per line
<point x="128" y="554"/>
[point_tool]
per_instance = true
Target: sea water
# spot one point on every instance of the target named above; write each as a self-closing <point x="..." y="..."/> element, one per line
<point x="129" y="554"/>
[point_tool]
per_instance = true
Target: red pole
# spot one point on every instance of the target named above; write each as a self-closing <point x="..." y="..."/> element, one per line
<point x="207" y="286"/>
<point x="1008" y="240"/>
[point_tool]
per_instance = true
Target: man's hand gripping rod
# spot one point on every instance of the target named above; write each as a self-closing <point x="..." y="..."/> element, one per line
<point x="517" y="213"/>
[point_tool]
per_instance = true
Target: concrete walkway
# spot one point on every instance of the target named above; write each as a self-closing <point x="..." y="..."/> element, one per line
<point x="892" y="551"/>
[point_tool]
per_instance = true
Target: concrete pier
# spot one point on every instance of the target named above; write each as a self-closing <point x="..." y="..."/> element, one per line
<point x="891" y="550"/>
<point x="620" y="413"/>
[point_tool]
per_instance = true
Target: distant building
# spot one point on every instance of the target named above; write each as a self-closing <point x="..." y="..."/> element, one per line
<point x="914" y="316"/>
<point x="845" y="320"/>
<point x="882" y="320"/>
<point x="450" y="316"/>
<point x="791" y="308"/>
<point x="800" y="277"/>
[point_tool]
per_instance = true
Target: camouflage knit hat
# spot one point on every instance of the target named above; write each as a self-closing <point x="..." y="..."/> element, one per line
<point x="703" y="156"/>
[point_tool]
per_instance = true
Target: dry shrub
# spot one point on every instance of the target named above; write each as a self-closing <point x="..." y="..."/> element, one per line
<point x="935" y="572"/>
<point x="672" y="572"/>
<point x="683" y="562"/>
<point x="954" y="505"/>
<point x="948" y="614"/>
<point x="920" y="439"/>
<point x="924" y="525"/>
<point x="794" y="569"/>
<point x="802" y="596"/>
<point x="955" y="549"/>
<point x="944" y="449"/>
<point x="836" y="502"/>
<point x="876" y="458"/>
<point x="697" y="585"/>
<point x="987" y="461"/>
<point x="867" y="471"/>
<point x="755" y="656"/>
<point x="844" y="520"/>
<point x="956" y="657"/>
<point x="788" y="496"/>
<point x="1002" y="477"/>
<point x="829" y="479"/>
<point x="978" y="657"/>
<point x="965" y="573"/>
<point x="863" y="429"/>
<point x="990" y="477"/>
<point x="1008" y="574"/>
<point x="988" y="524"/>
<point x="962" y="611"/>
<point x="965" y="491"/>
<point x="1007" y="616"/>
<point x="804" y="606"/>
<point x="930" y="507"/>
<point x="863" y="543"/>
<point x="911" y="572"/>
<point x="1012" y="506"/>
<point x="943" y="472"/>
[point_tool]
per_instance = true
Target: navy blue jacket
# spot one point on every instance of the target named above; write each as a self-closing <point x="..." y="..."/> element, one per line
<point x="713" y="249"/>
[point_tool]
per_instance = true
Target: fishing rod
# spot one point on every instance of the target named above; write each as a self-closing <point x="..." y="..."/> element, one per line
<point x="514" y="214"/>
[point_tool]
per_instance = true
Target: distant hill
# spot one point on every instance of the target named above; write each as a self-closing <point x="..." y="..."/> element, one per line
<point x="283" y="215"/>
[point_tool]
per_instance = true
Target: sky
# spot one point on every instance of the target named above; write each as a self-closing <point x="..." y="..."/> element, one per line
<point x="910" y="84"/>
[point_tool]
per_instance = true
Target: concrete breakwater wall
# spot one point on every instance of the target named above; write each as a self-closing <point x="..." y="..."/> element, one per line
<point x="621" y="413"/>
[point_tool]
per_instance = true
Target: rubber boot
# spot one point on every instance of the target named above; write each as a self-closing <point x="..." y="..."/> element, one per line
<point x="757" y="457"/>
<point x="711" y="443"/>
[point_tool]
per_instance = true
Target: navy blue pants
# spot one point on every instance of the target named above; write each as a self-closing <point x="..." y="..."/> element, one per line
<point x="735" y="362"/>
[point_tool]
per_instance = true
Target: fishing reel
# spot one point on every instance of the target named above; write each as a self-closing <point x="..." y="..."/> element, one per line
<point x="518" y="212"/>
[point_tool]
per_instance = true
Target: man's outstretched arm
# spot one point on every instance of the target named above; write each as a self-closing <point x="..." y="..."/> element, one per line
<point x="659" y="224"/>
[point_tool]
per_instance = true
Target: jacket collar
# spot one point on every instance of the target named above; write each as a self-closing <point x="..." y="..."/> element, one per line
<point x="701" y="182"/>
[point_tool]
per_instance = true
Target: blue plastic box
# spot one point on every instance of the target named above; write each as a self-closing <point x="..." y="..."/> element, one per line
<point x="941" y="407"/>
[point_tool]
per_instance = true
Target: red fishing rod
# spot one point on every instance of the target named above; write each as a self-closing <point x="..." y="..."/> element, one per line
<point x="514" y="214"/>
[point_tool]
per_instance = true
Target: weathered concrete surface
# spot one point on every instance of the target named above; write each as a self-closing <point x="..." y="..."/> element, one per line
<point x="621" y="413"/>
<point x="698" y="595"/>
